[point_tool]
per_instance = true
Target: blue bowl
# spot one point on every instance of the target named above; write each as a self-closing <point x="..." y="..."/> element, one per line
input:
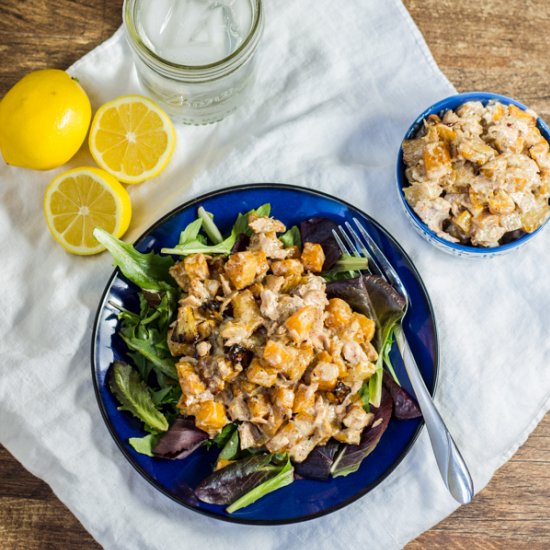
<point x="303" y="499"/>
<point x="456" y="249"/>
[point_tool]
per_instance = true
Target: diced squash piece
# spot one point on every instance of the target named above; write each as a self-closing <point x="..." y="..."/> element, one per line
<point x="185" y="329"/>
<point x="211" y="416"/>
<point x="463" y="221"/>
<point x="261" y="375"/>
<point x="516" y="112"/>
<point x="313" y="257"/>
<point x="244" y="306"/>
<point x="445" y="133"/>
<point x="294" y="370"/>
<point x="533" y="219"/>
<point x="290" y="282"/>
<point x="283" y="397"/>
<point x="190" y="381"/>
<point x="258" y="407"/>
<point x="362" y="370"/>
<point x="498" y="112"/>
<point x="338" y="313"/>
<point x="277" y="355"/>
<point x="304" y="399"/>
<point x="437" y="160"/>
<point x="501" y="203"/>
<point x="476" y="151"/>
<point x="196" y="266"/>
<point x="287" y="267"/>
<point x="367" y="326"/>
<point x="274" y="421"/>
<point x="325" y="374"/>
<point x="242" y="268"/>
<point x="299" y="324"/>
<point x="348" y="436"/>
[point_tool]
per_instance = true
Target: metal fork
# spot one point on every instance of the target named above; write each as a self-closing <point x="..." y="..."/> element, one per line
<point x="451" y="465"/>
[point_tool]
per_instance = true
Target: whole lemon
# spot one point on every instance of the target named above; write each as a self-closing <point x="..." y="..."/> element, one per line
<point x="44" y="120"/>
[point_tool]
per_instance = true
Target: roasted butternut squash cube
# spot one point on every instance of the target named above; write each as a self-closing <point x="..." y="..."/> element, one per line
<point x="244" y="306"/>
<point x="283" y="397"/>
<point x="304" y="399"/>
<point x="242" y="268"/>
<point x="185" y="329"/>
<point x="437" y="160"/>
<point x="211" y="417"/>
<point x="196" y="266"/>
<point x="501" y="203"/>
<point x="294" y="369"/>
<point x="366" y="326"/>
<point x="348" y="436"/>
<point x="189" y="380"/>
<point x="516" y="112"/>
<point x="360" y="371"/>
<point x="463" y="221"/>
<point x="287" y="267"/>
<point x="277" y="355"/>
<point x="445" y="133"/>
<point x="338" y="313"/>
<point x="274" y="421"/>
<point x="300" y="323"/>
<point x="258" y="406"/>
<point x="313" y="257"/>
<point x="261" y="375"/>
<point x="325" y="375"/>
<point x="476" y="151"/>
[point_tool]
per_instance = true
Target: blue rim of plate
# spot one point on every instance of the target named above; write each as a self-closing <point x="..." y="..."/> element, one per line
<point x="452" y="102"/>
<point x="247" y="521"/>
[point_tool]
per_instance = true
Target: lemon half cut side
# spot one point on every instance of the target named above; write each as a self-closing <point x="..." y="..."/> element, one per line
<point x="132" y="138"/>
<point x="78" y="201"/>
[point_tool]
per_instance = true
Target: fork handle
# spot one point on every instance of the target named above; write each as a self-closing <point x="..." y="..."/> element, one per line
<point x="451" y="465"/>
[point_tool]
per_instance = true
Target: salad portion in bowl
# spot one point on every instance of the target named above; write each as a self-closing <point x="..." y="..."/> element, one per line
<point x="268" y="345"/>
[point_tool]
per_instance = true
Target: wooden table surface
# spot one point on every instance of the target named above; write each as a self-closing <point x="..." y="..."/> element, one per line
<point x="496" y="45"/>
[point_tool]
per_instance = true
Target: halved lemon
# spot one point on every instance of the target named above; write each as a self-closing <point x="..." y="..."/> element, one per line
<point x="132" y="138"/>
<point x="78" y="201"/>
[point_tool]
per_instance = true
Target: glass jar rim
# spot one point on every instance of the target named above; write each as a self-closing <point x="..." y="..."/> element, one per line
<point x="144" y="50"/>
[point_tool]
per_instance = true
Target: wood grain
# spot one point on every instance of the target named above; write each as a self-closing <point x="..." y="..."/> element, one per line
<point x="497" y="45"/>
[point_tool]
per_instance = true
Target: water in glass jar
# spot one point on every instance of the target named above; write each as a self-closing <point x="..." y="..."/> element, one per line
<point x="195" y="32"/>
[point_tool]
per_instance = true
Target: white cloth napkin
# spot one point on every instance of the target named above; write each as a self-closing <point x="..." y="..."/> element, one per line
<point x="338" y="85"/>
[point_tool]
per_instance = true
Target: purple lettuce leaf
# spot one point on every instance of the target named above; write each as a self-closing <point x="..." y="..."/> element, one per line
<point x="404" y="405"/>
<point x="241" y="244"/>
<point x="232" y="482"/>
<point x="318" y="463"/>
<point x="319" y="230"/>
<point x="351" y="456"/>
<point x="180" y="440"/>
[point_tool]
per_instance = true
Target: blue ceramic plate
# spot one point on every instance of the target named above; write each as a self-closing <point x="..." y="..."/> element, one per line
<point x="304" y="499"/>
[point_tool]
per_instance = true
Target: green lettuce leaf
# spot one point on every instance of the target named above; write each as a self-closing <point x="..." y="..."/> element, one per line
<point x="144" y="445"/>
<point x="284" y="477"/>
<point x="148" y="271"/>
<point x="145" y="333"/>
<point x="135" y="396"/>
<point x="196" y="245"/>
<point x="291" y="237"/>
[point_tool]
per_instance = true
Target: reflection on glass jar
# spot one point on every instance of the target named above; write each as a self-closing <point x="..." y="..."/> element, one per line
<point x="195" y="57"/>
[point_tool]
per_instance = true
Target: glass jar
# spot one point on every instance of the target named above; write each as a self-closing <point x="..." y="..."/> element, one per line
<point x="195" y="57"/>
